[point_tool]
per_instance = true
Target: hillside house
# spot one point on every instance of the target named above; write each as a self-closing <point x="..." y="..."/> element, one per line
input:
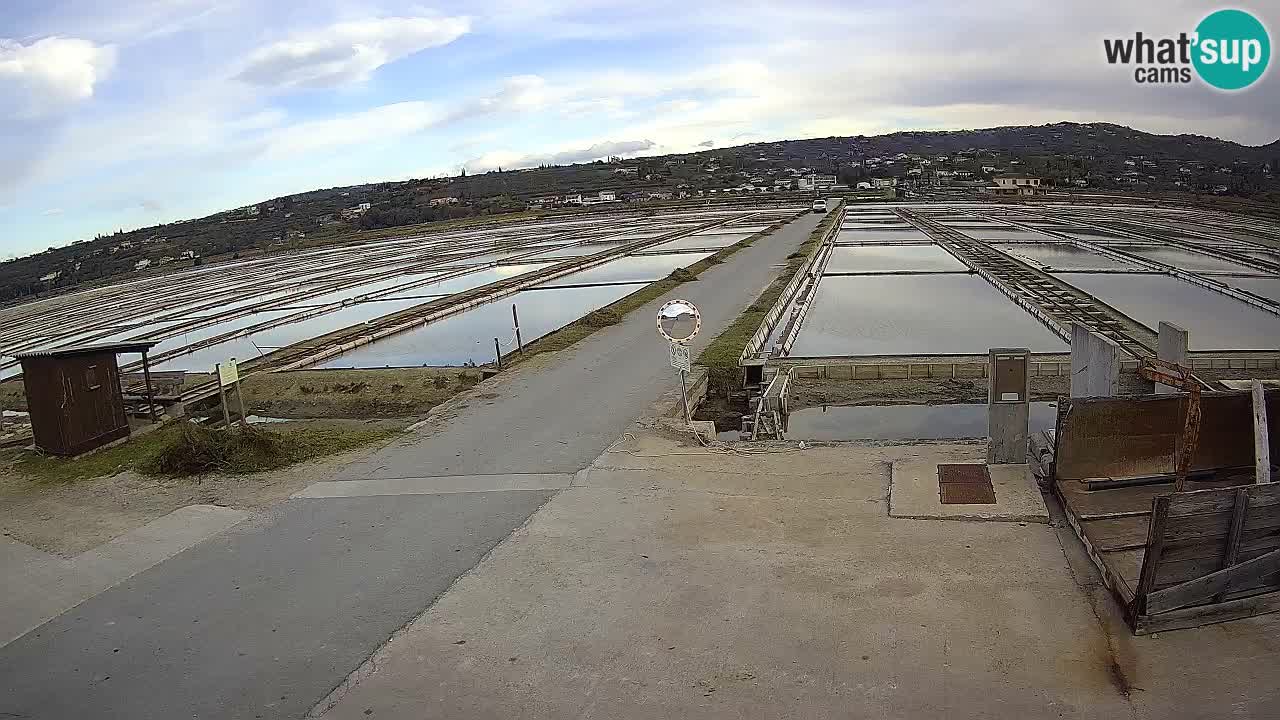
<point x="815" y="182"/>
<point x="1016" y="185"/>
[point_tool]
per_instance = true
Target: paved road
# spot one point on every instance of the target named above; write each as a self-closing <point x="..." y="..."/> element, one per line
<point x="266" y="619"/>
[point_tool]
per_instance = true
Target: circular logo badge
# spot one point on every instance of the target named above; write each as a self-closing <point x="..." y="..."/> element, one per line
<point x="1232" y="49"/>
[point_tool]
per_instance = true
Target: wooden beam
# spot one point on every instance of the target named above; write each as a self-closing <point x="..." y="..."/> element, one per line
<point x="1155" y="546"/>
<point x="1208" y="614"/>
<point x="1232" y="550"/>
<point x="1203" y="588"/>
<point x="1261" y="441"/>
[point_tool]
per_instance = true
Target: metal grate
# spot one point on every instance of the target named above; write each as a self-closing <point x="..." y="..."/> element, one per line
<point x="965" y="484"/>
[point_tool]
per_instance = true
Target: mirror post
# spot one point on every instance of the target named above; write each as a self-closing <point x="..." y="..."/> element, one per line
<point x="679" y="321"/>
<point x="684" y="397"/>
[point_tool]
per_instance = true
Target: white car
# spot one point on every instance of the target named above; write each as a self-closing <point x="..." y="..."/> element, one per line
<point x="819" y="206"/>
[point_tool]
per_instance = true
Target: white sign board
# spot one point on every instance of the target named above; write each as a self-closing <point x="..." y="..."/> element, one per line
<point x="228" y="373"/>
<point x="680" y="357"/>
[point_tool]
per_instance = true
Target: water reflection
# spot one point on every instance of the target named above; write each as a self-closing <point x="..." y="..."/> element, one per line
<point x="1215" y="321"/>
<point x="892" y="258"/>
<point x="1061" y="256"/>
<point x="468" y="336"/>
<point x="903" y="422"/>
<point x="916" y="315"/>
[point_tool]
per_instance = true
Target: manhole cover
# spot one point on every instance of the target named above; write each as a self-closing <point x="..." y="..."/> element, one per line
<point x="965" y="485"/>
<point x="964" y="473"/>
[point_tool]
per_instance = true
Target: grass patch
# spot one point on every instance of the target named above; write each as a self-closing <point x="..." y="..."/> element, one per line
<point x="359" y="394"/>
<point x="182" y="448"/>
<point x="722" y="355"/>
<point x="573" y="332"/>
<point x="239" y="450"/>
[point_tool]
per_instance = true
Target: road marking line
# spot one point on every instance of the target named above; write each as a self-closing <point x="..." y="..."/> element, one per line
<point x="436" y="485"/>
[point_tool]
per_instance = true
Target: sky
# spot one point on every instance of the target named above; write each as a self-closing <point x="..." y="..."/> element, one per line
<point x="127" y="113"/>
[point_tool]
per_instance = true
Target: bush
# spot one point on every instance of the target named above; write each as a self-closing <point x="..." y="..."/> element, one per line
<point x="192" y="449"/>
<point x="682" y="275"/>
<point x="603" y="317"/>
<point x="441" y="382"/>
<point x="197" y="449"/>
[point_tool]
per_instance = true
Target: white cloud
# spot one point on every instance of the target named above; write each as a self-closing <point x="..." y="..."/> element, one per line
<point x="563" y="156"/>
<point x="520" y="92"/>
<point x="379" y="124"/>
<point x="50" y="75"/>
<point x="347" y="52"/>
<point x="52" y="211"/>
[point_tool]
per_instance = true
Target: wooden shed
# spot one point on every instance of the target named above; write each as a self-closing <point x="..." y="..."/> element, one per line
<point x="74" y="396"/>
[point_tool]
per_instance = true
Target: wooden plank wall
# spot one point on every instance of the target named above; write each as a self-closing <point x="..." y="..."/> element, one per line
<point x="1211" y="546"/>
<point x="1137" y="436"/>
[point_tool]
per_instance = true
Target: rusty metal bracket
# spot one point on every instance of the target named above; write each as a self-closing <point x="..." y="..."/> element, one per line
<point x="1180" y="377"/>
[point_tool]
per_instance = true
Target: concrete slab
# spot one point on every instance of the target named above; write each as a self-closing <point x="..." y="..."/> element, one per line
<point x="40" y="586"/>
<point x="313" y="589"/>
<point x="437" y="485"/>
<point x="913" y="493"/>
<point x="685" y="585"/>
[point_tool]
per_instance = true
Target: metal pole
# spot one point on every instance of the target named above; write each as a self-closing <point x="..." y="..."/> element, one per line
<point x="222" y="395"/>
<point x="497" y="351"/>
<point x="146" y="376"/>
<point x="516" y="319"/>
<point x="684" y="397"/>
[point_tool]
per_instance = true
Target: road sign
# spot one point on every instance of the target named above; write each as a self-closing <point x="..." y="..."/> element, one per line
<point x="228" y="373"/>
<point x="679" y="321"/>
<point x="680" y="357"/>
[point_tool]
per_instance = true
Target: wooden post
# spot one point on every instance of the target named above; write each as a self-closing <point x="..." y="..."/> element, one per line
<point x="1232" y="551"/>
<point x="146" y="376"/>
<point x="1261" y="439"/>
<point x="497" y="352"/>
<point x="222" y="395"/>
<point x="244" y="417"/>
<point x="516" y="319"/>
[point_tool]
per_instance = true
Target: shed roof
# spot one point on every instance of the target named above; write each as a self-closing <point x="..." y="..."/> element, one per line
<point x="119" y="347"/>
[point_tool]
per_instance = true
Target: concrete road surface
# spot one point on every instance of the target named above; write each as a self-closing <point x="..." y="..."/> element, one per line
<point x="266" y="619"/>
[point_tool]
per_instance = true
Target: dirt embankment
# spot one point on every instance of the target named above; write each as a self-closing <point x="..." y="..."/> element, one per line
<point x="816" y="393"/>
<point x="67" y="506"/>
<point x="360" y="394"/>
<point x="808" y="392"/>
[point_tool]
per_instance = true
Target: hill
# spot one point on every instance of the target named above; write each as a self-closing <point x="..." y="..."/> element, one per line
<point x="1094" y="155"/>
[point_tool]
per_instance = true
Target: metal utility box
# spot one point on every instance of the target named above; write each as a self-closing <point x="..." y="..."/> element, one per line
<point x="74" y="396"/>
<point x="1008" y="408"/>
<point x="1009" y="375"/>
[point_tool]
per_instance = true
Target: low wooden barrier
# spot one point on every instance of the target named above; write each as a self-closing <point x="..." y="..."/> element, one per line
<point x="1208" y="554"/>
